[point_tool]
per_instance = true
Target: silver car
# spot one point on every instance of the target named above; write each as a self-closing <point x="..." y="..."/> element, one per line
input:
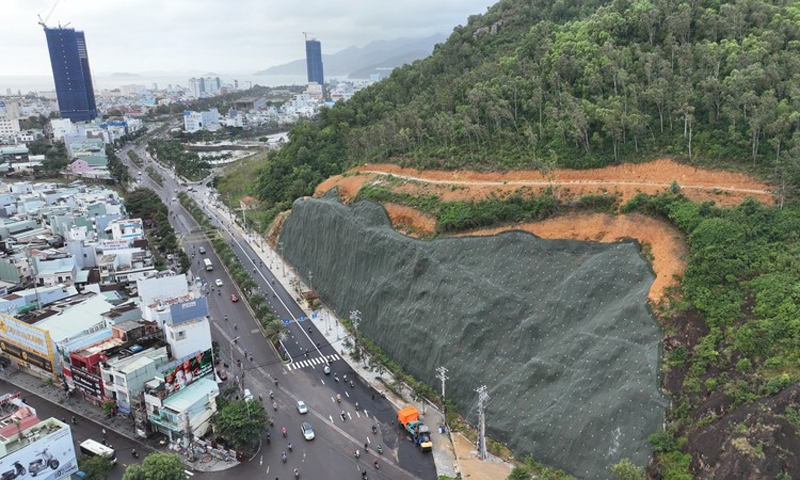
<point x="308" y="432"/>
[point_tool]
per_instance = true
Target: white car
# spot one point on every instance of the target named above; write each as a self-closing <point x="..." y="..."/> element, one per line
<point x="218" y="282"/>
<point x="302" y="407"/>
<point x="308" y="432"/>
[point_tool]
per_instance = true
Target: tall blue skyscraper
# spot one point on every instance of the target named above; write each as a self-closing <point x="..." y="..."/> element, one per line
<point x="73" y="78"/>
<point x="314" y="61"/>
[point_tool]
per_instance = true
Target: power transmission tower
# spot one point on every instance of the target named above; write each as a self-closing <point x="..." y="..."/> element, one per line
<point x="442" y="375"/>
<point x="483" y="398"/>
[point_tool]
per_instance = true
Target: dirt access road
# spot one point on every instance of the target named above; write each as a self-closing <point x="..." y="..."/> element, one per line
<point x="664" y="243"/>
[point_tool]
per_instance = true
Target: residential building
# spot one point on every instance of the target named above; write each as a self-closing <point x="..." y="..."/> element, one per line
<point x="61" y="127"/>
<point x="314" y="61"/>
<point x="196" y="121"/>
<point x="124" y="377"/>
<point x="128" y="229"/>
<point x="9" y="127"/>
<point x="71" y="72"/>
<point x="85" y="357"/>
<point x="55" y="270"/>
<point x="188" y="410"/>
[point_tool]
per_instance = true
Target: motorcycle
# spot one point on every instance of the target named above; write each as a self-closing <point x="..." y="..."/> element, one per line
<point x="375" y="464"/>
<point x="374" y="429"/>
<point x="358" y="453"/>
<point x="283" y="457"/>
<point x="45" y="460"/>
<point x="289" y="447"/>
<point x="356" y="406"/>
<point x="338" y="398"/>
<point x="17" y="471"/>
<point x="296" y="473"/>
<point x="275" y="406"/>
<point x="379" y="448"/>
<point x="283" y="431"/>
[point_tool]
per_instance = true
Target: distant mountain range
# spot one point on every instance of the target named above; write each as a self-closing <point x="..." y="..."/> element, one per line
<point x="360" y="62"/>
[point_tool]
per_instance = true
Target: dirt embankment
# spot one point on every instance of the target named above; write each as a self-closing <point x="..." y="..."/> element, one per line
<point x="662" y="243"/>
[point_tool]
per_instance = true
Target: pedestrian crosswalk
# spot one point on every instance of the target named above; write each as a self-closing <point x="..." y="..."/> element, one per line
<point x="296" y="365"/>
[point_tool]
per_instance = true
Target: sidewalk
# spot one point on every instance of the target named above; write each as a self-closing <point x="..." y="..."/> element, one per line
<point x="444" y="454"/>
<point x="117" y="424"/>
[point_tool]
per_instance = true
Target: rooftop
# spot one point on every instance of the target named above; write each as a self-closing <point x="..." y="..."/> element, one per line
<point x="190" y="395"/>
<point x="74" y="315"/>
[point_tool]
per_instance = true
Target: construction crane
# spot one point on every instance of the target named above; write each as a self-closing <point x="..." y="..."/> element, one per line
<point x="305" y="35"/>
<point x="43" y="22"/>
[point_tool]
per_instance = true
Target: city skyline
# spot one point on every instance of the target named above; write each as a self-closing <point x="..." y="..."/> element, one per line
<point x="141" y="36"/>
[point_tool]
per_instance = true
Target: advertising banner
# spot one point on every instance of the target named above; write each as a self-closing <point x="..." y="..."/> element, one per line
<point x="28" y="337"/>
<point x="88" y="383"/>
<point x="189" y="310"/>
<point x="32" y="358"/>
<point x="182" y="375"/>
<point x="51" y="457"/>
<point x="114" y="244"/>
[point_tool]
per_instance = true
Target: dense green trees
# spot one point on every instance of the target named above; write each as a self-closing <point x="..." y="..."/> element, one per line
<point x="96" y="467"/>
<point x="117" y="169"/>
<point x="157" y="466"/>
<point x="186" y="164"/>
<point x="573" y="84"/>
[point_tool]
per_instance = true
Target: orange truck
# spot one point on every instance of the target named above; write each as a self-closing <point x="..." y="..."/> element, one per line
<point x="420" y="434"/>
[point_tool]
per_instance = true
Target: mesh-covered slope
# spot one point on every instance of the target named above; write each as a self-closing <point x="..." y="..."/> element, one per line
<point x="557" y="330"/>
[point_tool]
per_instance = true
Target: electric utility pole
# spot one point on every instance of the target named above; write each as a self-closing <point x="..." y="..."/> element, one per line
<point x="483" y="397"/>
<point x="442" y="375"/>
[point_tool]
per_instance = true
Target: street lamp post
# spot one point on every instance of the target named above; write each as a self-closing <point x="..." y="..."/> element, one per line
<point x="283" y="261"/>
<point x="233" y="360"/>
<point x="310" y="277"/>
<point x="355" y="317"/>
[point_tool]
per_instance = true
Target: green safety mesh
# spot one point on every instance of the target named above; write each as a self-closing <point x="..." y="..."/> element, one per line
<point x="559" y="331"/>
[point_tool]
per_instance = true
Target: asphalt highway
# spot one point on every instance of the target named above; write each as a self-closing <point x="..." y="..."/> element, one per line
<point x="331" y="454"/>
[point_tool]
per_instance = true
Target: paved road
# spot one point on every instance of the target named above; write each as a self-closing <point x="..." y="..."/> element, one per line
<point x="331" y="453"/>
<point x="83" y="430"/>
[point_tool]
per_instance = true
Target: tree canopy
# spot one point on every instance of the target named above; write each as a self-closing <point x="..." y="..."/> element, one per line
<point x="157" y="466"/>
<point x="538" y="84"/>
<point x="241" y="422"/>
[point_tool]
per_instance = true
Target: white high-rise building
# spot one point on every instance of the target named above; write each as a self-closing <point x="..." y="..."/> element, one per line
<point x="196" y="121"/>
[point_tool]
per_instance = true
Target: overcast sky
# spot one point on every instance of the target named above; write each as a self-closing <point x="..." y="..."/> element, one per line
<point x="224" y="36"/>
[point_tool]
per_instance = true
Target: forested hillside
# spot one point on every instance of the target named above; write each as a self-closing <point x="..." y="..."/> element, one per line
<point x="576" y="84"/>
<point x="584" y="84"/>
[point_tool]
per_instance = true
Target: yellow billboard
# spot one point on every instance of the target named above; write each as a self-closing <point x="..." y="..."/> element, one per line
<point x="27" y="343"/>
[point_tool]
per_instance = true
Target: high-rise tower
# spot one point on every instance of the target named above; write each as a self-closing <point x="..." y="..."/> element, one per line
<point x="314" y="61"/>
<point x="71" y="73"/>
